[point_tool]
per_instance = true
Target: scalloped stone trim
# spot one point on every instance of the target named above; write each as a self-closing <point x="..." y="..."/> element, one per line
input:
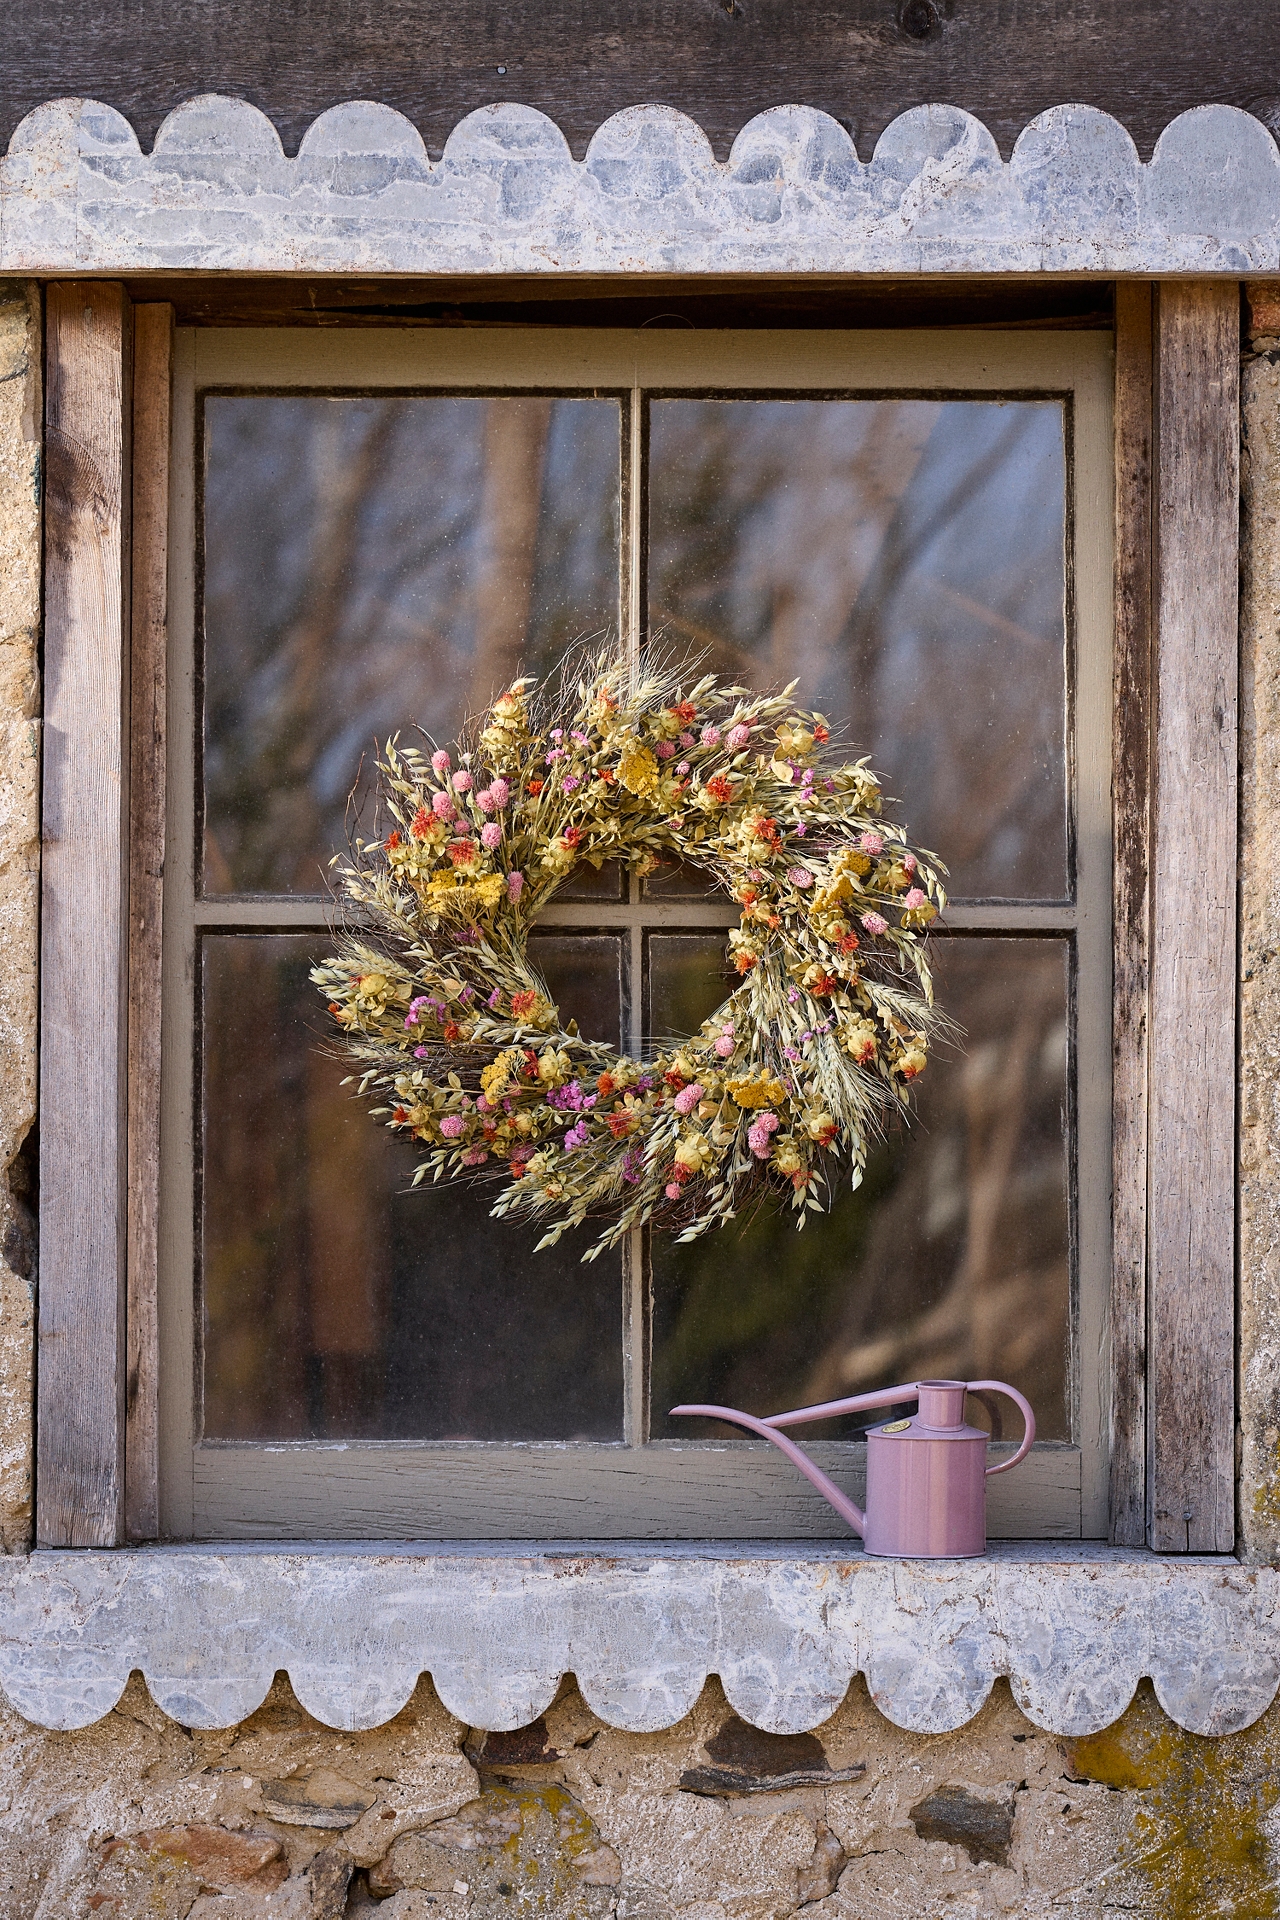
<point x="1073" y="1628"/>
<point x="217" y="193"/>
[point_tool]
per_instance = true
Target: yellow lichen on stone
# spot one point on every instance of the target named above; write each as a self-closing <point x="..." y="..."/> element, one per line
<point x="1200" y="1839"/>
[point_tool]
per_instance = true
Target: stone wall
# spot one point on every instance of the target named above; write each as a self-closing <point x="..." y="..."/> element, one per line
<point x="710" y="1820"/>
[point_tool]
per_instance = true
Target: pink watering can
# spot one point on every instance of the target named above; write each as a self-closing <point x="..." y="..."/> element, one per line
<point x="926" y="1476"/>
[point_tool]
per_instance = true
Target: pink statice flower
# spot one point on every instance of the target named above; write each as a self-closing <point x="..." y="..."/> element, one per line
<point x="571" y="782"/>
<point x="414" y="1014"/>
<point x="452" y="1126"/>
<point x="474" y="1157"/>
<point x="420" y="1053"/>
<point x="710" y="736"/>
<point x="515" y="884"/>
<point x="874" y="922"/>
<point x="790" y="1053"/>
<point x="801" y="829"/>
<point x="499" y="791"/>
<point x="665" y="749"/>
<point x="491" y="835"/>
<point x="495" y="1000"/>
<point x="760" y="1132"/>
<point x="443" y="807"/>
<point x="462" y="781"/>
<point x="440" y="762"/>
<point x="871" y="842"/>
<point x="577" y="1136"/>
<point x="737" y="738"/>
<point x="557" y="733"/>
<point x="800" y="876"/>
<point x="915" y="898"/>
<point x="556" y="753"/>
<point x="580" y="739"/>
<point x="688" y="1097"/>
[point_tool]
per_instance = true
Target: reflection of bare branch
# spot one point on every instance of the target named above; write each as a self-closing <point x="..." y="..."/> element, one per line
<point x="515" y="451"/>
<point x="988" y="615"/>
<point x="722" y="655"/>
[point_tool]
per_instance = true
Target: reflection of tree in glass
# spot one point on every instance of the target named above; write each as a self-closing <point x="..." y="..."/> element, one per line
<point x="339" y="1303"/>
<point x="372" y="563"/>
<point x="952" y="1258"/>
<point x="904" y="559"/>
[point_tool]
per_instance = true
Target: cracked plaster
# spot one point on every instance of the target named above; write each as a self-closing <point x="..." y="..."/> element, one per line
<point x="217" y="191"/>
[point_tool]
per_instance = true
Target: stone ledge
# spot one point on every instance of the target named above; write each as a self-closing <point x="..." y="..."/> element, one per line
<point x="641" y="1625"/>
<point x="217" y="192"/>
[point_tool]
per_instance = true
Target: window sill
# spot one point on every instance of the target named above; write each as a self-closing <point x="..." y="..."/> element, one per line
<point x="641" y="1625"/>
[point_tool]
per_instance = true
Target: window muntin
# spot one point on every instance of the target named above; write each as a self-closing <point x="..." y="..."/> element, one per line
<point x="728" y="1494"/>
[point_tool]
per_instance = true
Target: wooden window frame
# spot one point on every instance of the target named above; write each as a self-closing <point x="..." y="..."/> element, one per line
<point x="1170" y="1406"/>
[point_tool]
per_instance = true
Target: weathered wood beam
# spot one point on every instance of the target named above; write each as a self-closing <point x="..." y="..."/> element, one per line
<point x="80" y="1410"/>
<point x="719" y="61"/>
<point x="152" y="391"/>
<point x="1131" y="732"/>
<point x="1191" y="1143"/>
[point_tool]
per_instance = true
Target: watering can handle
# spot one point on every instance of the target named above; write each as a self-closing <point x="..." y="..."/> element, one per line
<point x="1024" y="1408"/>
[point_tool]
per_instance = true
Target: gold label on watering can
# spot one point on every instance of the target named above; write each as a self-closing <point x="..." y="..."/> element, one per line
<point x="896" y="1426"/>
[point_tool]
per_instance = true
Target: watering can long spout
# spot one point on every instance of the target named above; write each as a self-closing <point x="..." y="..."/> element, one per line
<point x="768" y="1430"/>
<point x="941" y="1404"/>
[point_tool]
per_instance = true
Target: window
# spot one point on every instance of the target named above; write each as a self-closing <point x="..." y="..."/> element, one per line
<point x="371" y="529"/>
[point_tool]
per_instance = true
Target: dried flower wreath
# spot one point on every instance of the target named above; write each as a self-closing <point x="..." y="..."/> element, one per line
<point x="456" y="1035"/>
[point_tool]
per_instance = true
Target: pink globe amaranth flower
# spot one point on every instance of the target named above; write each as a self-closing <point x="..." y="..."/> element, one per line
<point x="440" y="762"/>
<point x="443" y="807"/>
<point x="759" y="1134"/>
<point x="474" y="1157"/>
<point x="915" y="898"/>
<point x="800" y="876"/>
<point x="688" y="1098"/>
<point x="499" y="792"/>
<point x="871" y="842"/>
<point x="683" y="767"/>
<point x="875" y="922"/>
<point x="515" y="885"/>
<point x="737" y="738"/>
<point x="673" y="1190"/>
<point x="484" y="1104"/>
<point x="710" y="736"/>
<point x="452" y="1125"/>
<point x="491" y="835"/>
<point x="686" y="741"/>
<point x="725" y="1045"/>
<point x="484" y="800"/>
<point x="462" y="781"/>
<point x="909" y="863"/>
<point x="665" y="749"/>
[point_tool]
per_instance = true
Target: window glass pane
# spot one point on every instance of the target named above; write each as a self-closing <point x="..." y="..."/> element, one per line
<point x="687" y="975"/>
<point x="952" y="1259"/>
<point x="904" y="560"/>
<point x="378" y="563"/>
<point x="584" y="974"/>
<point x="338" y="1304"/>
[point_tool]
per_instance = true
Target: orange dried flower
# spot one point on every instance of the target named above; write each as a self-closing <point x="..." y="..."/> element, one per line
<point x="421" y="821"/>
